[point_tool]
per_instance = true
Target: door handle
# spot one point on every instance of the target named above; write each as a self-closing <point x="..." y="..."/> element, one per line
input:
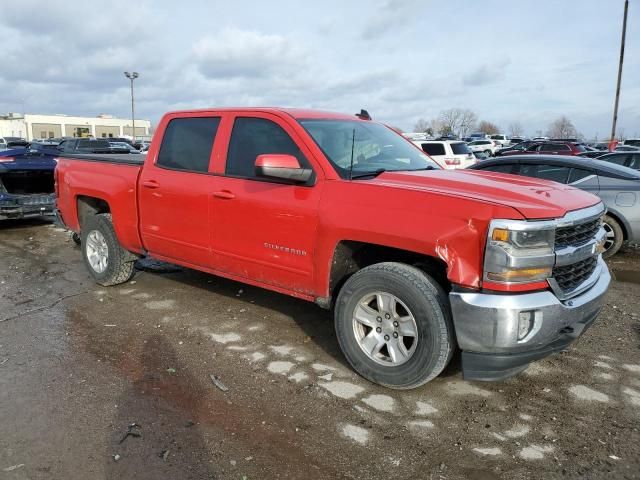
<point x="224" y="194"/>
<point x="150" y="184"/>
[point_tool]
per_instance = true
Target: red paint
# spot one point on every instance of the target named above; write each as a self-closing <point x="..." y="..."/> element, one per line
<point x="282" y="236"/>
<point x="277" y="161"/>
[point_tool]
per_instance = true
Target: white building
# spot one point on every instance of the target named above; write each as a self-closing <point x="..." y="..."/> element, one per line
<point x="34" y="126"/>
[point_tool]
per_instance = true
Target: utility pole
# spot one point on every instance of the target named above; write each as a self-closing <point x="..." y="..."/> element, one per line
<point x="615" y="107"/>
<point x="132" y="76"/>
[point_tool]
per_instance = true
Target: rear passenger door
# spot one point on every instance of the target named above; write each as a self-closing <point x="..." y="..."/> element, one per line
<point x="263" y="229"/>
<point x="174" y="190"/>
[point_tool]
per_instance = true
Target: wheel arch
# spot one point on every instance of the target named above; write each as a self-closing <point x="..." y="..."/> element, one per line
<point x="350" y="256"/>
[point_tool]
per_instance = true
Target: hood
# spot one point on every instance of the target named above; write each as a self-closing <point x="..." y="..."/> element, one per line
<point x="533" y="198"/>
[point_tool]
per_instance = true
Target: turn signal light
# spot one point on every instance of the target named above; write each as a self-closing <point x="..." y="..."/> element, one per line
<point x="520" y="275"/>
<point x="500" y="235"/>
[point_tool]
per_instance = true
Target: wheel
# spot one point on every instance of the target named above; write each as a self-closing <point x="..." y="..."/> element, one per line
<point x="76" y="238"/>
<point x="488" y="152"/>
<point x="107" y="261"/>
<point x="614" y="238"/>
<point x="393" y="324"/>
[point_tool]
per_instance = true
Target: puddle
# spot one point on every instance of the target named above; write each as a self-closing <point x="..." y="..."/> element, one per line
<point x="627" y="276"/>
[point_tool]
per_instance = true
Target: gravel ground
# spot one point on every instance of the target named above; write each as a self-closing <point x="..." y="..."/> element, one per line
<point x="80" y="364"/>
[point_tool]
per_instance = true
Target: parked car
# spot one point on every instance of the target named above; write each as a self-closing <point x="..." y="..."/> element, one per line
<point x="481" y="155"/>
<point x="478" y="136"/>
<point x="86" y="145"/>
<point x="139" y="144"/>
<point x="632" y="142"/>
<point x="13" y="142"/>
<point x="515" y="140"/>
<point x="617" y="186"/>
<point x="344" y="212"/>
<point x="627" y="159"/>
<point x="26" y="183"/>
<point x="603" y="146"/>
<point x="550" y="148"/>
<point x="122" y="147"/>
<point x="450" y="155"/>
<point x="626" y="148"/>
<point x="592" y="154"/>
<point x="487" y="146"/>
<point x="518" y="148"/>
<point x="501" y="139"/>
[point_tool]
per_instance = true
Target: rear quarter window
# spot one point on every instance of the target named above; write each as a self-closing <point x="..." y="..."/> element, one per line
<point x="433" y="148"/>
<point x="460" y="148"/>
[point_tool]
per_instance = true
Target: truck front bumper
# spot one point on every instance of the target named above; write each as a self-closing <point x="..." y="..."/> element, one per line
<point x="487" y="327"/>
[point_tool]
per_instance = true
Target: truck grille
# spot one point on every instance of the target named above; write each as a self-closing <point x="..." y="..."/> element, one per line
<point x="569" y="277"/>
<point x="576" y="235"/>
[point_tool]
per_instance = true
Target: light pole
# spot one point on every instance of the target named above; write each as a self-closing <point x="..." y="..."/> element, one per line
<point x="132" y="76"/>
<point x="615" y="106"/>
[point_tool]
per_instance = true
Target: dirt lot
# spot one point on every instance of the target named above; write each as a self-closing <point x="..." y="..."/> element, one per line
<point x="79" y="364"/>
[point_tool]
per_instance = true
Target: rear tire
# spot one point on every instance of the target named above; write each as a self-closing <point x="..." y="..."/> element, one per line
<point x="615" y="236"/>
<point x="423" y="325"/>
<point x="106" y="260"/>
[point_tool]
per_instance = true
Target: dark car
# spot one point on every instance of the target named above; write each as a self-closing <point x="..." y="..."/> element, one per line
<point x="627" y="159"/>
<point x="552" y="148"/>
<point x="26" y="183"/>
<point x="87" y="145"/>
<point x="517" y="148"/>
<point x="616" y="185"/>
<point x="592" y="154"/>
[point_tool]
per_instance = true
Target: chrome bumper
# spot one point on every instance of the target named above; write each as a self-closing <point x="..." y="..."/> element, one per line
<point x="487" y="324"/>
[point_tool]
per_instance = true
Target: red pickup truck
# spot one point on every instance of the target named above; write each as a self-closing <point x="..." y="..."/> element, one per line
<point x="414" y="261"/>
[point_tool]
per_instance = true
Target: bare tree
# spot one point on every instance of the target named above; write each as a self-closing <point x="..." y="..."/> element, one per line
<point x="457" y="120"/>
<point x="421" y="126"/>
<point x="468" y="122"/>
<point x="562" y="128"/>
<point x="515" y="129"/>
<point x="487" y="127"/>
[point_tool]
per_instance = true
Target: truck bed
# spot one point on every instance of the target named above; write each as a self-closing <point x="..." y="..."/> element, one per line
<point x="121" y="158"/>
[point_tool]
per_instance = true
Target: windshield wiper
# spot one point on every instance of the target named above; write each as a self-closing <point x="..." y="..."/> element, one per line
<point x="372" y="174"/>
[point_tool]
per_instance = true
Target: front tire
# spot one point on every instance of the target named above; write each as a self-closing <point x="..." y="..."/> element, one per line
<point x="106" y="260"/>
<point x="393" y="324"/>
<point x="614" y="238"/>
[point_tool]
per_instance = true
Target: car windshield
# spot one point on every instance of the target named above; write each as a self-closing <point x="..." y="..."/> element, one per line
<point x="371" y="147"/>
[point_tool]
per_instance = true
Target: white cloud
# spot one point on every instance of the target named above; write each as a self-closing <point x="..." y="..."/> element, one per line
<point x="401" y="60"/>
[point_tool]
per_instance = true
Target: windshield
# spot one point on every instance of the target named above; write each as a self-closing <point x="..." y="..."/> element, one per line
<point x="374" y="146"/>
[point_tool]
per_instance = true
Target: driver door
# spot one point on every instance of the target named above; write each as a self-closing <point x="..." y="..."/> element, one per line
<point x="264" y="229"/>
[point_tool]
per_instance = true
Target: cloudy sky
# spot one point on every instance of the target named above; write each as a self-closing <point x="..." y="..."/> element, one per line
<point x="528" y="61"/>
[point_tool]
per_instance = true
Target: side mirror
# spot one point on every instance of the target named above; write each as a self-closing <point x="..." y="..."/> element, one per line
<point x="283" y="167"/>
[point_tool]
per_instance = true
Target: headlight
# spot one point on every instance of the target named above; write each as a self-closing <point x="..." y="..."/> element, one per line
<point x="519" y="251"/>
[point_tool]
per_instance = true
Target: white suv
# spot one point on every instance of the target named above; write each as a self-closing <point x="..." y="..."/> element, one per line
<point x="487" y="146"/>
<point x="448" y="154"/>
<point x="502" y="139"/>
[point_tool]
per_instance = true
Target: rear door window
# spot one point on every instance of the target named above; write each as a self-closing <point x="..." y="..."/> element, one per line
<point x="187" y="143"/>
<point x="555" y="173"/>
<point x="502" y="168"/>
<point x="433" y="148"/>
